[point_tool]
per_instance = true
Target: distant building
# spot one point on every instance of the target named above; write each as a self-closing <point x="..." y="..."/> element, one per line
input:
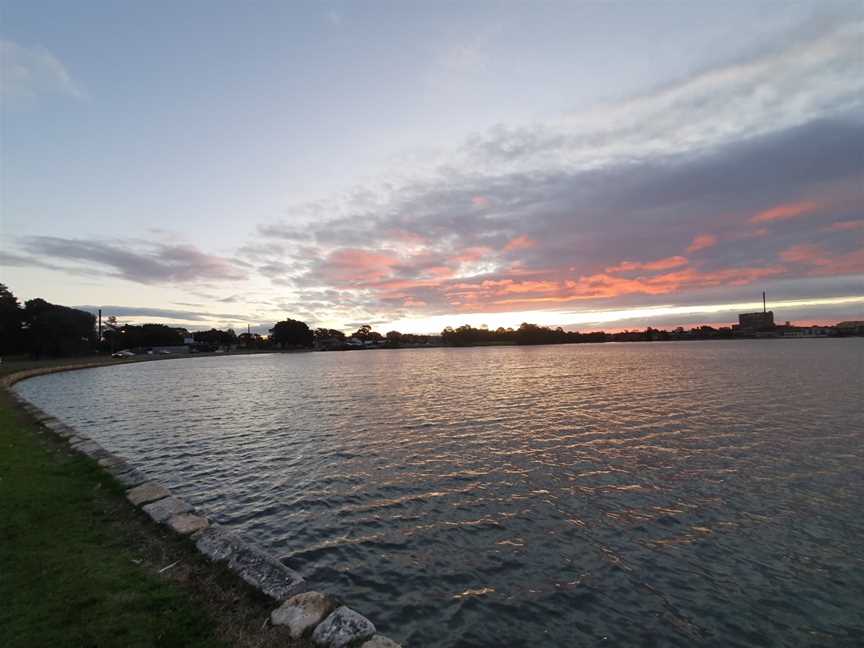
<point x="759" y="324"/>
<point x="851" y="328"/>
<point x="808" y="331"/>
<point x="756" y="322"/>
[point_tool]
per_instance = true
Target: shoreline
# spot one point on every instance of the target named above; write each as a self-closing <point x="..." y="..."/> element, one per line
<point x="331" y="623"/>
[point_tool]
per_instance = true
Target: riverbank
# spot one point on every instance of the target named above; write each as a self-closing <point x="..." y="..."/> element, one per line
<point x="81" y="567"/>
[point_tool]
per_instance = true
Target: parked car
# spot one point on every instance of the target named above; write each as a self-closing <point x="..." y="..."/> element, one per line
<point x="125" y="353"/>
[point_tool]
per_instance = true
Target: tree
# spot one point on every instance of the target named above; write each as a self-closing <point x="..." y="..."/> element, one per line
<point x="322" y="334"/>
<point x="54" y="330"/>
<point x="291" y="333"/>
<point x="250" y="341"/>
<point x="216" y="338"/>
<point x="11" y="319"/>
<point x="363" y="332"/>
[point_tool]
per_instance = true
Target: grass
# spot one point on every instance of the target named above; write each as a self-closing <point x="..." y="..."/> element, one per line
<point x="79" y="566"/>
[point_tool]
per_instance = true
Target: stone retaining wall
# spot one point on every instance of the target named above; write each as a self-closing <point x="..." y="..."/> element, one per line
<point x="323" y="618"/>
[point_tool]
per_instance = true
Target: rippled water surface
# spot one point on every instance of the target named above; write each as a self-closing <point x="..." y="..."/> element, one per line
<point x="668" y="494"/>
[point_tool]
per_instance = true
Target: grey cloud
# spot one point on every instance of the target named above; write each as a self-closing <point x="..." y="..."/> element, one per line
<point x="635" y="181"/>
<point x="812" y="72"/>
<point x="585" y="221"/>
<point x="163" y="313"/>
<point x="153" y="263"/>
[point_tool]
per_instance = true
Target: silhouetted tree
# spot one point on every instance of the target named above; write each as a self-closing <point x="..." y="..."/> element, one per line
<point x="11" y="321"/>
<point x="216" y="338"/>
<point x="363" y="332"/>
<point x="326" y="334"/>
<point x="291" y="333"/>
<point x="54" y="330"/>
<point x="143" y="336"/>
<point x="251" y="341"/>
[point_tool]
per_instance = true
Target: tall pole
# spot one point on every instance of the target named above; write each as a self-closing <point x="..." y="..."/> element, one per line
<point x="100" y="326"/>
<point x="764" y="307"/>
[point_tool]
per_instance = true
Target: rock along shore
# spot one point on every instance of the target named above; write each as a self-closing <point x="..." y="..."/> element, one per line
<point x="316" y="615"/>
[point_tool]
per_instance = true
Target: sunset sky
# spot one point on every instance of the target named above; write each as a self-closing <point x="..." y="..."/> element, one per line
<point x="417" y="165"/>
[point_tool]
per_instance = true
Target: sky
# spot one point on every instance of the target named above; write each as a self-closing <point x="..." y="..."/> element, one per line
<point x="417" y="165"/>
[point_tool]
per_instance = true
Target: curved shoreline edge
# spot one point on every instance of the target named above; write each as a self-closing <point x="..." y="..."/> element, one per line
<point x="324" y="618"/>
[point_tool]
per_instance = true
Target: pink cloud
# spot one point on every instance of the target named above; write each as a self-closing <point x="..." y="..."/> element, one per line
<point x="357" y="266"/>
<point x="846" y="226"/>
<point x="404" y="236"/>
<point x="805" y="253"/>
<point x="471" y="254"/>
<point x="785" y="212"/>
<point x="702" y="242"/>
<point x="660" y="264"/>
<point x="824" y="263"/>
<point x="520" y="243"/>
<point x="606" y="286"/>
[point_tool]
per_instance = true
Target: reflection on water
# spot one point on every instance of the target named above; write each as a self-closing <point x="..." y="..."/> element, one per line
<point x="644" y="494"/>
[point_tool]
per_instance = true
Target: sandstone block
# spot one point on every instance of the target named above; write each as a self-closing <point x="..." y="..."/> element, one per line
<point x="253" y="565"/>
<point x="111" y="461"/>
<point x="344" y="627"/>
<point x="302" y="612"/>
<point x="187" y="523"/>
<point x="380" y="641"/>
<point x="147" y="492"/>
<point x="130" y="477"/>
<point x="90" y="448"/>
<point x="164" y="509"/>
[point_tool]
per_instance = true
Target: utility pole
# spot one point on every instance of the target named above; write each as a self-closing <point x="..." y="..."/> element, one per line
<point x="764" y="307"/>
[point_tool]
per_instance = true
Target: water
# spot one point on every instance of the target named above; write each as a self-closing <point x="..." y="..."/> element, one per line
<point x="653" y="494"/>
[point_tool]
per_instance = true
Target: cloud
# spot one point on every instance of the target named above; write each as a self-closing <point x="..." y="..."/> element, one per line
<point x="625" y="204"/>
<point x="145" y="263"/>
<point x="659" y="264"/>
<point x="785" y="212"/>
<point x="29" y="72"/>
<point x="592" y="236"/>
<point x="161" y="313"/>
<point x="813" y="75"/>
<point x="702" y="242"/>
<point x="519" y="243"/>
<point x="806" y="253"/>
<point x="847" y="226"/>
<point x="820" y="261"/>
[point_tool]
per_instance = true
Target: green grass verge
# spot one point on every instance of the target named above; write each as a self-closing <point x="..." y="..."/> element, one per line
<point x="70" y="574"/>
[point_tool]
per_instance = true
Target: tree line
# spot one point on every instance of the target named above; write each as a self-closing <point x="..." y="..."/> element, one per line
<point x="535" y="334"/>
<point x="42" y="329"/>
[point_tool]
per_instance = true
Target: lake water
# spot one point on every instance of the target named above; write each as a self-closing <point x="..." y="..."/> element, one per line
<point x="645" y="494"/>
